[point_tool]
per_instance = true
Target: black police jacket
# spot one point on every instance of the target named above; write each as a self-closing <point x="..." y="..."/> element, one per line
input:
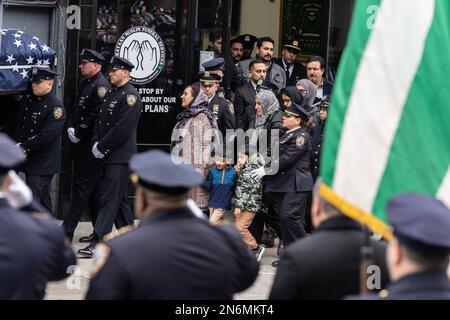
<point x="293" y="174"/>
<point x="91" y="93"/>
<point x="298" y="72"/>
<point x="117" y="124"/>
<point x="174" y="255"/>
<point x="33" y="252"/>
<point x="39" y="133"/>
<point x="223" y="111"/>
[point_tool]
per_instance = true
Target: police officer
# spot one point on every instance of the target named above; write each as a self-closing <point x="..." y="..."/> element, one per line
<point x="289" y="178"/>
<point x="115" y="142"/>
<point x="249" y="44"/>
<point x="418" y="255"/>
<point x="295" y="71"/>
<point x="33" y="249"/>
<point x="216" y="66"/>
<point x="317" y="139"/>
<point x="92" y="90"/>
<point x="208" y="261"/>
<point x="222" y="109"/>
<point x="39" y="134"/>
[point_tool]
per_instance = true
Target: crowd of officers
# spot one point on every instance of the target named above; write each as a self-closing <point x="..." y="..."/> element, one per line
<point x="189" y="257"/>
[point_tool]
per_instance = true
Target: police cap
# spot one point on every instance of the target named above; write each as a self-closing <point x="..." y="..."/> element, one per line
<point x="248" y="40"/>
<point x="208" y="78"/>
<point x="214" y="64"/>
<point x="294" y="45"/>
<point x="42" y="73"/>
<point x="121" y="63"/>
<point x="10" y="156"/>
<point x="91" y="56"/>
<point x="421" y="223"/>
<point x="164" y="173"/>
<point x="297" y="111"/>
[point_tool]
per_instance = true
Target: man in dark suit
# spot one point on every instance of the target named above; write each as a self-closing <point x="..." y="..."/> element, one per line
<point x="114" y="142"/>
<point x="172" y="254"/>
<point x="33" y="250"/>
<point x="92" y="89"/>
<point x="40" y="126"/>
<point x="295" y="71"/>
<point x="325" y="265"/>
<point x="244" y="101"/>
<point x="315" y="69"/>
<point x="418" y="254"/>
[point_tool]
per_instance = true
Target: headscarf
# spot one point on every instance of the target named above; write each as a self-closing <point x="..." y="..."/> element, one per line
<point x="295" y="95"/>
<point x="270" y="105"/>
<point x="197" y="106"/>
<point x="310" y="91"/>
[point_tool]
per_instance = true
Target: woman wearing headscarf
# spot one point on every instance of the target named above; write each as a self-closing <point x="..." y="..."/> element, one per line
<point x="309" y="92"/>
<point x="291" y="94"/>
<point x="193" y="137"/>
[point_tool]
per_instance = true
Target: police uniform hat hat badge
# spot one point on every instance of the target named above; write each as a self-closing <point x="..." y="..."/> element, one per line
<point x="11" y="156"/>
<point x="162" y="172"/>
<point x="297" y="111"/>
<point x="421" y="223"/>
<point x="121" y="63"/>
<point x="89" y="55"/>
<point x="208" y="78"/>
<point x="214" y="64"/>
<point x="248" y="40"/>
<point x="41" y="73"/>
<point x="294" y="45"/>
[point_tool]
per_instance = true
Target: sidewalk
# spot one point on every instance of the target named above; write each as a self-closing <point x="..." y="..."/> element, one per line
<point x="75" y="287"/>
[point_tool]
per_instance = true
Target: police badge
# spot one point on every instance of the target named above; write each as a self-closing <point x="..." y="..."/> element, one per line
<point x="101" y="91"/>
<point x="131" y="99"/>
<point x="231" y="107"/>
<point x="300" y="141"/>
<point x="58" y="112"/>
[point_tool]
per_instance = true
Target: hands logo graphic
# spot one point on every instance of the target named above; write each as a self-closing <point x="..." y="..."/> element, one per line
<point x="142" y="55"/>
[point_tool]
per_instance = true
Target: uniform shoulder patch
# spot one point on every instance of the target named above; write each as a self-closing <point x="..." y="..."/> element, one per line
<point x="101" y="255"/>
<point x="101" y="91"/>
<point x="221" y="94"/>
<point x="300" y="141"/>
<point x="58" y="112"/>
<point x="230" y="107"/>
<point x="131" y="99"/>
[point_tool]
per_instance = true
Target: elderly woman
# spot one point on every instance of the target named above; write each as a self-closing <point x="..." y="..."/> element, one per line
<point x="193" y="137"/>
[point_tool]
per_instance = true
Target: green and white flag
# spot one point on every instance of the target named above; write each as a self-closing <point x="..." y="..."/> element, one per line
<point x="388" y="129"/>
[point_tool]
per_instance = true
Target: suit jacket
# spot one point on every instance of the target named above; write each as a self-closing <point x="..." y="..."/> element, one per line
<point x="298" y="72"/>
<point x="40" y="126"/>
<point x="33" y="252"/>
<point x="275" y="73"/>
<point x="326" y="264"/>
<point x="117" y="124"/>
<point x="244" y="105"/>
<point x="175" y="255"/>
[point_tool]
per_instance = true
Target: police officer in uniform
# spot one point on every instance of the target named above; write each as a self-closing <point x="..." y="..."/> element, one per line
<point x="288" y="186"/>
<point x="295" y="71"/>
<point x="418" y="255"/>
<point x="39" y="134"/>
<point x="317" y="139"/>
<point x="221" y="108"/>
<point x="114" y="143"/>
<point x="33" y="250"/>
<point x="172" y="254"/>
<point x="92" y="90"/>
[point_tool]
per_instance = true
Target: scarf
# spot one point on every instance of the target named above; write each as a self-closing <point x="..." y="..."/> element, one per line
<point x="310" y="92"/>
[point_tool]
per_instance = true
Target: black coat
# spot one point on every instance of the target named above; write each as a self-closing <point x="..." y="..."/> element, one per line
<point x="32" y="252"/>
<point x="117" y="124"/>
<point x="298" y="73"/>
<point x="326" y="264"/>
<point x="90" y="95"/>
<point x="316" y="149"/>
<point x="244" y="105"/>
<point x="175" y="255"/>
<point x="289" y="172"/>
<point x="39" y="133"/>
<point x="224" y="113"/>
<point x="425" y="285"/>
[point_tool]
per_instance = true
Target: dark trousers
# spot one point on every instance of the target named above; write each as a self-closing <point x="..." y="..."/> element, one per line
<point x="113" y="200"/>
<point x="85" y="192"/>
<point x="40" y="186"/>
<point x="290" y="207"/>
<point x="269" y="218"/>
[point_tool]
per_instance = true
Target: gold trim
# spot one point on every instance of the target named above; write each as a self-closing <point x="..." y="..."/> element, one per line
<point x="292" y="114"/>
<point x="355" y="213"/>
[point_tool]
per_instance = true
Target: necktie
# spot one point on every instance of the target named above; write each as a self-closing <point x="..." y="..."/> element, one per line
<point x="286" y="69"/>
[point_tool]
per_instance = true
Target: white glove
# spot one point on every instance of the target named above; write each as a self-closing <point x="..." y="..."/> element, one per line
<point x="18" y="194"/>
<point x="71" y="134"/>
<point x="258" y="174"/>
<point x="97" y="154"/>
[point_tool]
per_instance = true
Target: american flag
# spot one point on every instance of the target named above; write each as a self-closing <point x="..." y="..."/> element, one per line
<point x="20" y="52"/>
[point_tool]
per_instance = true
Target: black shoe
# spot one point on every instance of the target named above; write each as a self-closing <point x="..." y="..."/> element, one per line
<point x="87" y="239"/>
<point x="88" y="251"/>
<point x="268" y="238"/>
<point x="275" y="263"/>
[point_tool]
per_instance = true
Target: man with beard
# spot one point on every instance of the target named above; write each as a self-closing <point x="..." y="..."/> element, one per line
<point x="315" y="69"/>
